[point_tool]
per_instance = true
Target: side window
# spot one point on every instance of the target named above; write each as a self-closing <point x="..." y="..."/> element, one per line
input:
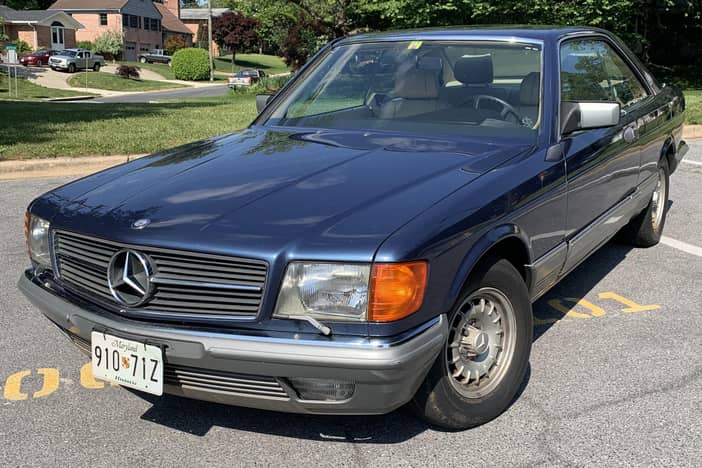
<point x="592" y="71"/>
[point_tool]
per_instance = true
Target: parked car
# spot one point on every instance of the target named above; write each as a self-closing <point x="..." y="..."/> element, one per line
<point x="38" y="58"/>
<point x="377" y="235"/>
<point x="71" y="60"/>
<point x="246" y="77"/>
<point x="156" y="56"/>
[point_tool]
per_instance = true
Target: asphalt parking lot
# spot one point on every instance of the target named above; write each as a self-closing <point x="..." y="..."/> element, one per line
<point x="615" y="378"/>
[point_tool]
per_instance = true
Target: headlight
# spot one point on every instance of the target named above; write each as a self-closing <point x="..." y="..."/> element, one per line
<point x="383" y="293"/>
<point x="36" y="232"/>
<point x="324" y="291"/>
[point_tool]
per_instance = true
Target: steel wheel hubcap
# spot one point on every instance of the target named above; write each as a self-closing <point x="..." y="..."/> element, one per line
<point x="658" y="200"/>
<point x="481" y="343"/>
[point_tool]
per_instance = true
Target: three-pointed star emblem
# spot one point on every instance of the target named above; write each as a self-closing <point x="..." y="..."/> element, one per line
<point x="129" y="277"/>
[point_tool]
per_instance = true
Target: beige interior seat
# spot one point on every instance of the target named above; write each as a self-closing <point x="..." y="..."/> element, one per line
<point x="529" y="95"/>
<point x="416" y="92"/>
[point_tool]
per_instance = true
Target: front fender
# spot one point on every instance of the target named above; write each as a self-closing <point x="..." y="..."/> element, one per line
<point x="486" y="244"/>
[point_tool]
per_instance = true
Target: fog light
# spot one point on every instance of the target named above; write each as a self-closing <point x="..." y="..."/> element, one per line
<point x="322" y="389"/>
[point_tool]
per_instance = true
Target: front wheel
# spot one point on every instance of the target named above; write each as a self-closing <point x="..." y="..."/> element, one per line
<point x="71" y="68"/>
<point x="485" y="358"/>
<point x="646" y="229"/>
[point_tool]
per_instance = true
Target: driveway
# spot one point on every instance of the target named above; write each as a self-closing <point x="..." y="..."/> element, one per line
<point x="154" y="96"/>
<point x="56" y="79"/>
<point x="615" y="379"/>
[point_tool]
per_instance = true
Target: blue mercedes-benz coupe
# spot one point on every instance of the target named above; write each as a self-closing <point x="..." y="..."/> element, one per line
<point x="376" y="236"/>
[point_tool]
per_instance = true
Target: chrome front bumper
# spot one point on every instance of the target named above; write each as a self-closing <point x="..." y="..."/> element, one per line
<point x="385" y="372"/>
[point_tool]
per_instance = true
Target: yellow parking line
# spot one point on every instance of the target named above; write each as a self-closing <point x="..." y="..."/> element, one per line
<point x="51" y="382"/>
<point x="631" y="305"/>
<point x="87" y="380"/>
<point x="13" y="386"/>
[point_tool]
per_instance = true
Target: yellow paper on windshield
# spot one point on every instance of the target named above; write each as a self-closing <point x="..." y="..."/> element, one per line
<point x="414" y="45"/>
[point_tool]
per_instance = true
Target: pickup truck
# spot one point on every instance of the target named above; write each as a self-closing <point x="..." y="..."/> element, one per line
<point x="75" y="59"/>
<point x="246" y="77"/>
<point x="156" y="56"/>
<point x="376" y="236"/>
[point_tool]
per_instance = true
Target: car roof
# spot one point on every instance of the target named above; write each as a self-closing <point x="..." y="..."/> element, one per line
<point x="538" y="33"/>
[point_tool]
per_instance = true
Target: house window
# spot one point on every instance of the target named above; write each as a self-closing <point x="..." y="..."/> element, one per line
<point x="125" y="21"/>
<point x="133" y="21"/>
<point x="154" y="25"/>
<point x="103" y="19"/>
<point x="147" y="22"/>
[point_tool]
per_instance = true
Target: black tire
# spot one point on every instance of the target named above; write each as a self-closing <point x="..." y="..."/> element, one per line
<point x="646" y="229"/>
<point x="96" y="67"/>
<point x="39" y="64"/>
<point x="142" y="59"/>
<point x="71" y="68"/>
<point x="439" y="399"/>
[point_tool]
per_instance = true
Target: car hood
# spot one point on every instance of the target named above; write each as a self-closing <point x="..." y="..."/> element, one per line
<point x="268" y="193"/>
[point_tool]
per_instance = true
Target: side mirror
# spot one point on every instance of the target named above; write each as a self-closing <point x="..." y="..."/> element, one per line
<point x="262" y="101"/>
<point x="587" y="115"/>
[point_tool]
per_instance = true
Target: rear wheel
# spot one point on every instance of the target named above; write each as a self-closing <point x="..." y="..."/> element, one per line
<point x="96" y="67"/>
<point x="142" y="59"/>
<point x="39" y="64"/>
<point x="646" y="229"/>
<point x="485" y="358"/>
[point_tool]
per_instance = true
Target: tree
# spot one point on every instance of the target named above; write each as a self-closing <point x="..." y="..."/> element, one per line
<point x="3" y="36"/>
<point x="234" y="31"/>
<point x="109" y="42"/>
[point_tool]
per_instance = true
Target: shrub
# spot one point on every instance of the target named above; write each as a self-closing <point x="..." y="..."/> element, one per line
<point x="191" y="64"/>
<point x="127" y="72"/>
<point x="85" y="45"/>
<point x="109" y="43"/>
<point x="22" y="47"/>
<point x="173" y="44"/>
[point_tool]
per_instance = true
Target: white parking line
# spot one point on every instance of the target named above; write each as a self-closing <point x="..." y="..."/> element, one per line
<point x="680" y="245"/>
<point x="696" y="163"/>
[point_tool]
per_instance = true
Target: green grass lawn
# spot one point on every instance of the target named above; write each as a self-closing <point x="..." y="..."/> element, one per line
<point x="31" y="91"/>
<point x="112" y="82"/>
<point x="160" y="68"/>
<point x="693" y="101"/>
<point x="268" y="63"/>
<point x="41" y="130"/>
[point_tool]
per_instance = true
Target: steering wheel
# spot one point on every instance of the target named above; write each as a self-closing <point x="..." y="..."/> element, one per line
<point x="507" y="108"/>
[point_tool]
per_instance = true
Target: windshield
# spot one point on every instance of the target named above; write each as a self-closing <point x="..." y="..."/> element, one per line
<point x="69" y="53"/>
<point x="471" y="88"/>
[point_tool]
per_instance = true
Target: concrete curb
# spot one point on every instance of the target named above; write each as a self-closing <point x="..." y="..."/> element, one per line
<point x="692" y="132"/>
<point x="60" y="167"/>
<point x="70" y="98"/>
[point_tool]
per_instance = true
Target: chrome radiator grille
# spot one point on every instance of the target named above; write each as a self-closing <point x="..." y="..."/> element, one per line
<point x="185" y="284"/>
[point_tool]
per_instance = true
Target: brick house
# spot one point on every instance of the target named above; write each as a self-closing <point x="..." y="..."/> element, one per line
<point x="41" y="29"/>
<point x="171" y="25"/>
<point x="196" y="20"/>
<point x="139" y="21"/>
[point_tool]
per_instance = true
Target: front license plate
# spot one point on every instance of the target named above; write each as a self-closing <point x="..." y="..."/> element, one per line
<point x="126" y="362"/>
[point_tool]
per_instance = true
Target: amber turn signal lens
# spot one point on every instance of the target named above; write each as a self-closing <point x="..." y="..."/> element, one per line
<point x="397" y="290"/>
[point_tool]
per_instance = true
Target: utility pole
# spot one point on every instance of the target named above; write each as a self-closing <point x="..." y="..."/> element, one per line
<point x="209" y="38"/>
